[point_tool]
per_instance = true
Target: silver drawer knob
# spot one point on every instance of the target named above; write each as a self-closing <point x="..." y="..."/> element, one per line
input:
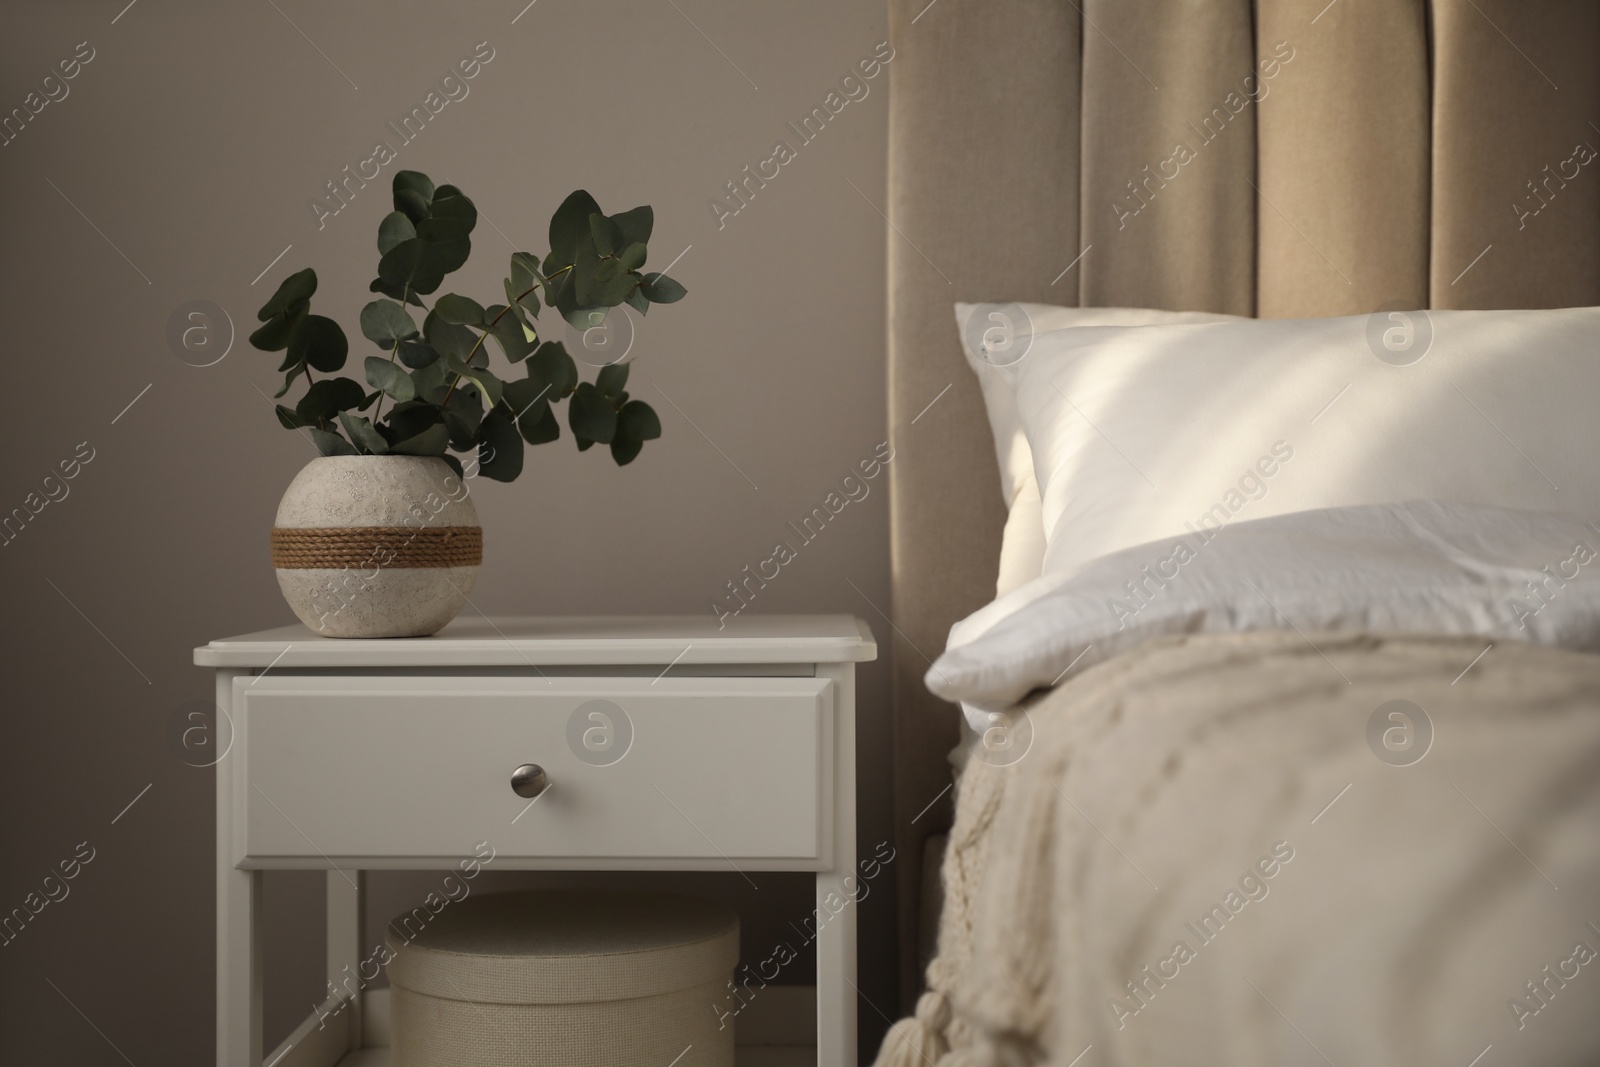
<point x="529" y="780"/>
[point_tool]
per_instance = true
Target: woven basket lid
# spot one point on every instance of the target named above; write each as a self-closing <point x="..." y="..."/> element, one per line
<point x="565" y="947"/>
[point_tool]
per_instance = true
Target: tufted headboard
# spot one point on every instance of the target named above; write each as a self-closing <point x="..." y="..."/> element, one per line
<point x="1282" y="158"/>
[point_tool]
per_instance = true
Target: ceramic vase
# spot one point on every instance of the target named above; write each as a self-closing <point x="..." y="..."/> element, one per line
<point x="376" y="546"/>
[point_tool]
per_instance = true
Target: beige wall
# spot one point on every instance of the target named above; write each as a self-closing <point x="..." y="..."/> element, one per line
<point x="191" y="144"/>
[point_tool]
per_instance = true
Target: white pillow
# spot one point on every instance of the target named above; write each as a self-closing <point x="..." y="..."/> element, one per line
<point x="1143" y="434"/>
<point x="1022" y="543"/>
<point x="1419" y="567"/>
<point x="996" y="338"/>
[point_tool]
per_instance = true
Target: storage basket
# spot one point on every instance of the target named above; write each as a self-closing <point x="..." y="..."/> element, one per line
<point x="570" y="978"/>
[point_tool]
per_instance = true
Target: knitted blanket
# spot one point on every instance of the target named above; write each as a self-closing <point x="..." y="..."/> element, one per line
<point x="1269" y="849"/>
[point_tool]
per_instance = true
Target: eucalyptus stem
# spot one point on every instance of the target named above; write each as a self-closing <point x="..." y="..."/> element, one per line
<point x="448" y="393"/>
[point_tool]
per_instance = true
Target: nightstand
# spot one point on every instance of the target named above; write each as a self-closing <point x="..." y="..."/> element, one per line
<point x="642" y="744"/>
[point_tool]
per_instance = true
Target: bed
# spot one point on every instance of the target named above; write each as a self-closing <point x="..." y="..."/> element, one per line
<point x="1399" y="155"/>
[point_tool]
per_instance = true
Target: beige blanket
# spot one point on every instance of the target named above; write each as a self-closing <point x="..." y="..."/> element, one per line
<point x="1241" y="851"/>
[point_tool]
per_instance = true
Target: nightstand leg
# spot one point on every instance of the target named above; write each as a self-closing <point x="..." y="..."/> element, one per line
<point x="836" y="971"/>
<point x="837" y="890"/>
<point x="346" y="911"/>
<point x="238" y="968"/>
<point x="238" y="920"/>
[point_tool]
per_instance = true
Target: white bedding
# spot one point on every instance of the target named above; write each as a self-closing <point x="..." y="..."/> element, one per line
<point x="1327" y="723"/>
<point x="1238" y="850"/>
<point x="1417" y="567"/>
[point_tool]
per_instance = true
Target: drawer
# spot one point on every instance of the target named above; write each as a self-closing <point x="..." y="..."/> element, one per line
<point x="390" y="771"/>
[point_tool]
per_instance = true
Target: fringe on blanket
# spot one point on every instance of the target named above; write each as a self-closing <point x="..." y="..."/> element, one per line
<point x="995" y="1010"/>
<point x="935" y="1036"/>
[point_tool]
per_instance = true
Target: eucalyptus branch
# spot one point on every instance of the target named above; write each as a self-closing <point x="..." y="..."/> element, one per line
<point x="479" y="343"/>
<point x="599" y="411"/>
<point x="552" y="277"/>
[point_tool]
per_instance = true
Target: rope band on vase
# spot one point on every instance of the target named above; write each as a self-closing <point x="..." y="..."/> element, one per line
<point x="366" y="547"/>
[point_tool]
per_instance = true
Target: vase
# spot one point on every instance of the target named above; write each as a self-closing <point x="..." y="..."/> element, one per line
<point x="376" y="546"/>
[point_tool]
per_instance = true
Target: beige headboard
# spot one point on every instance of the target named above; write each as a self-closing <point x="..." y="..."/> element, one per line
<point x="1440" y="154"/>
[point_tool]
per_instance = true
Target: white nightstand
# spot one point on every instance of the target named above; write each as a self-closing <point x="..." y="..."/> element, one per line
<point x="667" y="743"/>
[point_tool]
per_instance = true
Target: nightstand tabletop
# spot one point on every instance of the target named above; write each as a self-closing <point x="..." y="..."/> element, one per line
<point x="530" y="640"/>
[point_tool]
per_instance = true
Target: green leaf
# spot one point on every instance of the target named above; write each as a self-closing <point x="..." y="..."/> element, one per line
<point x="551" y="366"/>
<point x="632" y="257"/>
<point x="462" y="417"/>
<point x="389" y="377"/>
<point x="522" y="291"/>
<point x="461" y="310"/>
<point x="612" y="379"/>
<point x="383" y="322"/>
<point x="625" y="450"/>
<point x="524" y="397"/>
<point x="416" y="354"/>
<point x="500" y="450"/>
<point x="490" y="386"/>
<point x="511" y="302"/>
<point x="540" y="431"/>
<point x="570" y="225"/>
<point x="273" y="336"/>
<point x="449" y="338"/>
<point x="607" y="236"/>
<point x="368" y="400"/>
<point x="408" y="419"/>
<point x="413" y="192"/>
<point x="638" y="421"/>
<point x="396" y="292"/>
<point x="294" y="370"/>
<point x="591" y="415"/>
<point x="415" y="263"/>
<point x="560" y="294"/>
<point x="636" y="424"/>
<point x="515" y="340"/>
<point x="414" y="179"/>
<point x="584" y="268"/>
<point x="330" y="443"/>
<point x="290" y="419"/>
<point x="327" y="398"/>
<point x="430" y="442"/>
<point x="453" y="213"/>
<point x="636" y="225"/>
<point x="363" y="434"/>
<point x="294" y="289"/>
<point x="584" y="318"/>
<point x="431" y="381"/>
<point x="410" y="203"/>
<point x="394" y="228"/>
<point x="451" y="250"/>
<point x="318" y="340"/>
<point x="524" y="271"/>
<point x="584" y="444"/>
<point x="638" y="301"/>
<point x="613" y="290"/>
<point x="661" y="289"/>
